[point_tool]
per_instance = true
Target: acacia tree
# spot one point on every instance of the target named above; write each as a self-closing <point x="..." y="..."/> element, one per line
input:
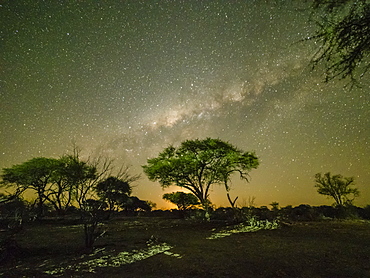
<point x="198" y="164"/>
<point x="337" y="187"/>
<point x="113" y="191"/>
<point x="35" y="174"/>
<point x="57" y="181"/>
<point x="182" y="200"/>
<point x="68" y="175"/>
<point x="133" y="204"/>
<point x="344" y="37"/>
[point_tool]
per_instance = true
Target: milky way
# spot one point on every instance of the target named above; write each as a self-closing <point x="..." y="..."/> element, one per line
<point x="125" y="79"/>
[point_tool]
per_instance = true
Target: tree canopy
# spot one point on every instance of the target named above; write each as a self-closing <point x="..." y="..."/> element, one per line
<point x="113" y="191"/>
<point x="337" y="187"/>
<point x="344" y="37"/>
<point x="36" y="174"/>
<point x="182" y="200"/>
<point x="198" y="164"/>
<point x="133" y="203"/>
<point x="56" y="181"/>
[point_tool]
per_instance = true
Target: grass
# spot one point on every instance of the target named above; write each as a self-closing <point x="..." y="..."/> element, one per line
<point x="311" y="249"/>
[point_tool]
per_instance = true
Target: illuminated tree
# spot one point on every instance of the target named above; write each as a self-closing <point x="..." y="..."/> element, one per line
<point x="344" y="37"/>
<point x="35" y="174"/>
<point x="56" y="181"/>
<point x="182" y="200"/>
<point x="337" y="187"/>
<point x="198" y="164"/>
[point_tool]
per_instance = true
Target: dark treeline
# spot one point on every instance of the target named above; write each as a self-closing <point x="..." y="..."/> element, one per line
<point x="301" y="212"/>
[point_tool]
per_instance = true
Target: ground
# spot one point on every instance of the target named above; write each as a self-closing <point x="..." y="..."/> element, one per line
<point x="157" y="247"/>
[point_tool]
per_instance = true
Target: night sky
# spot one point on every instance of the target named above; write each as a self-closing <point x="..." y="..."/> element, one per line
<point x="125" y="79"/>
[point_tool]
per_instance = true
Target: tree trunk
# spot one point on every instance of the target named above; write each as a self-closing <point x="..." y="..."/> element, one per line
<point x="89" y="229"/>
<point x="40" y="208"/>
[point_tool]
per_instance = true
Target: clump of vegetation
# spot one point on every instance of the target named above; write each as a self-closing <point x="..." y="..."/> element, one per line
<point x="251" y="225"/>
<point x="87" y="184"/>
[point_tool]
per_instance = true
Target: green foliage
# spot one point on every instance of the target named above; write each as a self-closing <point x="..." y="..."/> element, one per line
<point x="337" y="187"/>
<point x="35" y="174"/>
<point x="57" y="181"/>
<point x="198" y="164"/>
<point x="61" y="182"/>
<point x="182" y="200"/>
<point x="344" y="37"/>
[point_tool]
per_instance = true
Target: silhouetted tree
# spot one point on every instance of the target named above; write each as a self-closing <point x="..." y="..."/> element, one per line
<point x="133" y="204"/>
<point x="182" y="200"/>
<point x="337" y="187"/>
<point x="113" y="191"/>
<point x="274" y="206"/>
<point x="344" y="37"/>
<point x="198" y="164"/>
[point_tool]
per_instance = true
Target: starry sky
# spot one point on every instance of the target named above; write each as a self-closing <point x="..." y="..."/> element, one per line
<point x="126" y="78"/>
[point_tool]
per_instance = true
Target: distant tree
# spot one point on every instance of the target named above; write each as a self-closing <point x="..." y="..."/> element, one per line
<point x="114" y="192"/>
<point x="274" y="206"/>
<point x="182" y="200"/>
<point x="35" y="174"/>
<point x="344" y="37"/>
<point x="198" y="164"/>
<point x="133" y="204"/>
<point x="151" y="204"/>
<point x="337" y="187"/>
